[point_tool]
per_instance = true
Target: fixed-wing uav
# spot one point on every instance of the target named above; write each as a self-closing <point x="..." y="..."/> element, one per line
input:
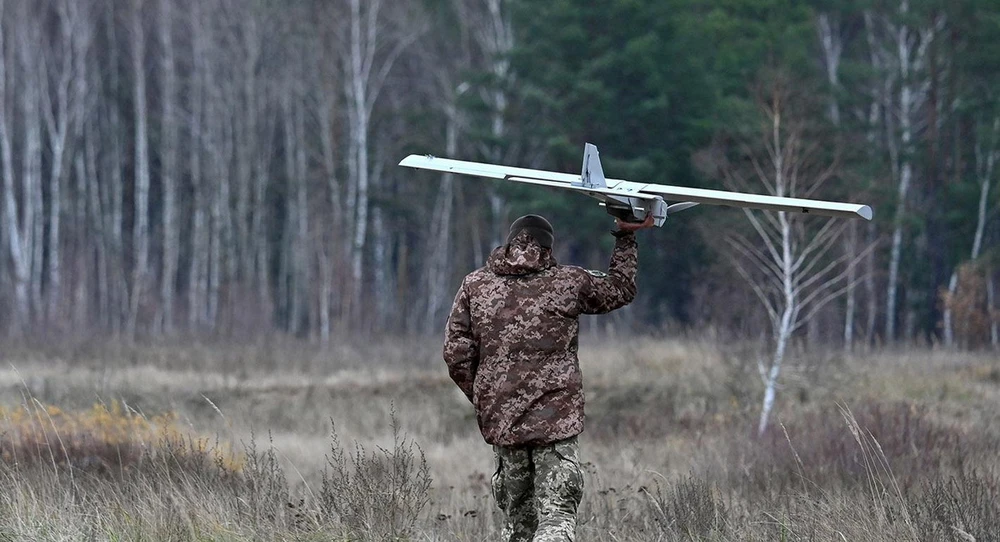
<point x="631" y="201"/>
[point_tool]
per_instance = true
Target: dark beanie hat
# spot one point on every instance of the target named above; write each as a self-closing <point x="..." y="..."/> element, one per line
<point x="536" y="226"/>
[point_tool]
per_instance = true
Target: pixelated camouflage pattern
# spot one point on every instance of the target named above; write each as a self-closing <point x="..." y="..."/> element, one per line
<point x="512" y="338"/>
<point x="538" y="489"/>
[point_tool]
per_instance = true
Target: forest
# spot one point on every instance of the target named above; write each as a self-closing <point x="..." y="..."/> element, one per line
<point x="223" y="168"/>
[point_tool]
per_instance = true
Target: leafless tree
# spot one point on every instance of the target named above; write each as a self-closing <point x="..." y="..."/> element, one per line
<point x="140" y="221"/>
<point x="374" y="43"/>
<point x="169" y="163"/>
<point x="786" y="260"/>
<point x="17" y="214"/>
<point x="902" y="52"/>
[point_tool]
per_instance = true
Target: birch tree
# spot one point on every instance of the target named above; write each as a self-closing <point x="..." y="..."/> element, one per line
<point x="168" y="170"/>
<point x="903" y="53"/>
<point x="140" y="223"/>
<point x="17" y="215"/>
<point x="199" y="239"/>
<point x="786" y="258"/>
<point x="63" y="94"/>
<point x="330" y="253"/>
<point x="373" y="45"/>
<point x="830" y="30"/>
<point x="29" y="48"/>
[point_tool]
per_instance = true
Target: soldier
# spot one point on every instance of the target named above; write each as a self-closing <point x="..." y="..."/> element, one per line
<point x="511" y="346"/>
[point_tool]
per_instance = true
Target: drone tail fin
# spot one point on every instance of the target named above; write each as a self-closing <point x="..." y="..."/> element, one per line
<point x="592" y="174"/>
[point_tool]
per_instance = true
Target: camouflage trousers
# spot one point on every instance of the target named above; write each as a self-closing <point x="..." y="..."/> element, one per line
<point x="539" y="488"/>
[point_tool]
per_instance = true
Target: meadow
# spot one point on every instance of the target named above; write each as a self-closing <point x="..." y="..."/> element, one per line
<point x="276" y="440"/>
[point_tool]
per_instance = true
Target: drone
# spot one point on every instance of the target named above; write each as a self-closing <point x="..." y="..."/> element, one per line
<point x="632" y="201"/>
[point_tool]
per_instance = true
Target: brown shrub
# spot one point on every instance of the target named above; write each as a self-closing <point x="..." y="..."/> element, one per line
<point x="105" y="438"/>
<point x="818" y="448"/>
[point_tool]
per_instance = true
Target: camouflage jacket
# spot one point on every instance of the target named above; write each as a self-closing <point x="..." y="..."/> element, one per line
<point x="512" y="337"/>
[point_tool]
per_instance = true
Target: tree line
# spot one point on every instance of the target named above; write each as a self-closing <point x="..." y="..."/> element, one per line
<point x="228" y="167"/>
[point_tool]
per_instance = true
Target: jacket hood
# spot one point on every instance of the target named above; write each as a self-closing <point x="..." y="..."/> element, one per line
<point x="522" y="256"/>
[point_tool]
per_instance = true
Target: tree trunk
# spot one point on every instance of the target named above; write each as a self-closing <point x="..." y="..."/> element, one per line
<point x="361" y="56"/>
<point x="34" y="217"/>
<point x="330" y="251"/>
<point x="911" y="51"/>
<point x="198" y="266"/>
<point x="850" y="305"/>
<point x="15" y="238"/>
<point x="830" y="39"/>
<point x="140" y="225"/>
<point x="785" y="325"/>
<point x="113" y="195"/>
<point x="168" y="171"/>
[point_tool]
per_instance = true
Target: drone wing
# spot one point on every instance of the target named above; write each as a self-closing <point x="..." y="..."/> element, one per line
<point x="492" y="171"/>
<point x="630" y="200"/>
<point x="754" y="201"/>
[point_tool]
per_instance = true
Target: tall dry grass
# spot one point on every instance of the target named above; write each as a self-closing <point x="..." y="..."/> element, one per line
<point x="882" y="446"/>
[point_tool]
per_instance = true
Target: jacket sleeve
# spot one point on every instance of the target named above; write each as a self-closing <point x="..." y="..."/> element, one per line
<point x="605" y="292"/>
<point x="461" y="346"/>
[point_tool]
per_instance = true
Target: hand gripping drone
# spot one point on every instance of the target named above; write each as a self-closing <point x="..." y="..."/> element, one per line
<point x="630" y="201"/>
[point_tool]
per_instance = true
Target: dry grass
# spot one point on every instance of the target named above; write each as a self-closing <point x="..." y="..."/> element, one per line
<point x="880" y="446"/>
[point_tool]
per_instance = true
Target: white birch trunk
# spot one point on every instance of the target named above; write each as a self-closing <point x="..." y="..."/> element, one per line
<point x="63" y="114"/>
<point x="31" y="175"/>
<point x="56" y="113"/>
<point x="113" y="194"/>
<point x="850" y="305"/>
<point x="140" y="231"/>
<point x="15" y="237"/>
<point x="910" y="57"/>
<point x="168" y="171"/>
<point x="361" y="57"/>
<point x="366" y="75"/>
<point x="783" y="327"/>
<point x="832" y="44"/>
<point x="362" y="52"/>
<point x="830" y="39"/>
<point x="198" y="267"/>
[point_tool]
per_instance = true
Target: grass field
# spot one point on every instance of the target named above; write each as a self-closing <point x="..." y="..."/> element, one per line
<point x="281" y="441"/>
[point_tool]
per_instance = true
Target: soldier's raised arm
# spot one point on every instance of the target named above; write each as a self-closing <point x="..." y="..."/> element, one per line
<point x="605" y="292"/>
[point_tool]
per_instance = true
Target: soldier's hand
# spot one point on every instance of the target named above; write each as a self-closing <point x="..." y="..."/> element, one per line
<point x="635" y="226"/>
